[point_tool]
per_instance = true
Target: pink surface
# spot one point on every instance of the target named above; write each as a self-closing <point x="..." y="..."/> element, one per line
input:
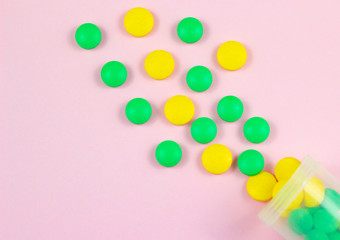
<point x="73" y="167"/>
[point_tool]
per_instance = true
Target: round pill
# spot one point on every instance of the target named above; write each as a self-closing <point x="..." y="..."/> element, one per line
<point x="230" y="108"/>
<point x="260" y="187"/>
<point x="88" y="36"/>
<point x="256" y="130"/>
<point x="295" y="202"/>
<point x="159" y="64"/>
<point x="326" y="221"/>
<point x="190" y="30"/>
<point x="250" y="162"/>
<point x="331" y="200"/>
<point x="314" y="193"/>
<point x="138" y="21"/>
<point x="199" y="78"/>
<point x="179" y="110"/>
<point x="285" y="168"/>
<point x="300" y="221"/>
<point x="316" y="235"/>
<point x="231" y="55"/>
<point x="113" y="74"/>
<point x="168" y="153"/>
<point x="138" y="111"/>
<point x="203" y="130"/>
<point x="334" y="236"/>
<point x="216" y="158"/>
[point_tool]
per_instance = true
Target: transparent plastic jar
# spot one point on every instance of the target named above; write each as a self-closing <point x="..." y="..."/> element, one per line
<point x="317" y="215"/>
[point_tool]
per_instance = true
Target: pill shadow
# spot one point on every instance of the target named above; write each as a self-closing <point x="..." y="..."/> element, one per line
<point x="216" y="83"/>
<point x="249" y="60"/>
<point x="71" y="39"/>
<point x="121" y="24"/>
<point x="268" y="163"/>
<point x="214" y="57"/>
<point x="152" y="158"/>
<point x="273" y="135"/>
<point x="173" y="34"/>
<point x="198" y="159"/>
<point x="97" y="78"/>
<point x="104" y="39"/>
<point x="206" y="32"/>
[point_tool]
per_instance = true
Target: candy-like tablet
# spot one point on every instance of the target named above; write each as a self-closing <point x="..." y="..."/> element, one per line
<point x="216" y="158"/>
<point x="285" y="168"/>
<point x="113" y="74"/>
<point x="250" y="162"/>
<point x="203" y="130"/>
<point x="168" y="153"/>
<point x="179" y="110"/>
<point x="256" y="130"/>
<point x="230" y="108"/>
<point x="231" y="55"/>
<point x="138" y="21"/>
<point x="88" y="36"/>
<point x="159" y="64"/>
<point x="326" y="221"/>
<point x="260" y="187"/>
<point x="295" y="203"/>
<point x="300" y="221"/>
<point x="190" y="30"/>
<point x="199" y="78"/>
<point x="138" y="111"/>
<point x="314" y="192"/>
<point x="331" y="200"/>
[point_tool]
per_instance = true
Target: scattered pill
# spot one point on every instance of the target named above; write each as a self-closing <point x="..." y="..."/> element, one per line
<point x="250" y="162"/>
<point x="138" y="111"/>
<point x="216" y="158"/>
<point x="314" y="193"/>
<point x="190" y="30"/>
<point x="113" y="74"/>
<point x="256" y="130"/>
<point x="260" y="187"/>
<point x="199" y="78"/>
<point x="179" y="110"/>
<point x="203" y="130"/>
<point x="230" y="108"/>
<point x="159" y="64"/>
<point x="88" y="36"/>
<point x="231" y="55"/>
<point x="168" y="153"/>
<point x="300" y="221"/>
<point x="138" y="21"/>
<point x="285" y="168"/>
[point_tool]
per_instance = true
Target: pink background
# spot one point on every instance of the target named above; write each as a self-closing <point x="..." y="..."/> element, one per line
<point x="73" y="167"/>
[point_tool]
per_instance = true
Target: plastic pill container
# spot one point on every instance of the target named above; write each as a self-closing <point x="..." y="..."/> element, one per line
<point x="307" y="206"/>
